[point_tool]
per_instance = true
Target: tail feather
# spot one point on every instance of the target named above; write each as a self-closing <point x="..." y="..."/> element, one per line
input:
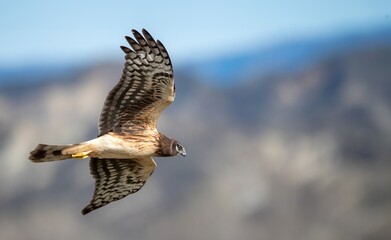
<point x="50" y="153"/>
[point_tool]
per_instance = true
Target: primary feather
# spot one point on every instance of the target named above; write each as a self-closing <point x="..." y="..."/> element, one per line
<point x="145" y="89"/>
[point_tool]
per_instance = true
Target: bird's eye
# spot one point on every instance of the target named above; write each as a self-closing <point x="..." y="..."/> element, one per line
<point x="179" y="147"/>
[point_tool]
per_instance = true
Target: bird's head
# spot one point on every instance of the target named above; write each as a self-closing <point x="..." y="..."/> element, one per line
<point x="170" y="147"/>
<point x="178" y="148"/>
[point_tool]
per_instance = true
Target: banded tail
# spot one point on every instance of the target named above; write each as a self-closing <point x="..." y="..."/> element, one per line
<point x="50" y="153"/>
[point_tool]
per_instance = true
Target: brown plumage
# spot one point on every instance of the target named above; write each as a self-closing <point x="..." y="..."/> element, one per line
<point x="121" y="156"/>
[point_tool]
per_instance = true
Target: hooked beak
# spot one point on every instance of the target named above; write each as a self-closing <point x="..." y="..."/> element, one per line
<point x="183" y="152"/>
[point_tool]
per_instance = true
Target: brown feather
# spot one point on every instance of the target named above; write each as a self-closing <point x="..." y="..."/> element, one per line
<point x="145" y="89"/>
<point x="117" y="178"/>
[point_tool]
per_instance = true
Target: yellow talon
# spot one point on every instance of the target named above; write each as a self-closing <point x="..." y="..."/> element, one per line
<point x="81" y="155"/>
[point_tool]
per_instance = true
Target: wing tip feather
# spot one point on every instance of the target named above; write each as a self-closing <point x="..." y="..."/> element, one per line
<point x="89" y="208"/>
<point x="145" y="32"/>
<point x="125" y="49"/>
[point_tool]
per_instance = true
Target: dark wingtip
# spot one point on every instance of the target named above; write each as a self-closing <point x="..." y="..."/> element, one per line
<point x="130" y="40"/>
<point x="159" y="43"/>
<point x="87" y="210"/>
<point x="148" y="36"/>
<point x="134" y="31"/>
<point x="145" y="32"/>
<point x="38" y="153"/>
<point x="125" y="49"/>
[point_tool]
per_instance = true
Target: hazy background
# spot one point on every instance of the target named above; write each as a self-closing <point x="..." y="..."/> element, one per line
<point x="284" y="109"/>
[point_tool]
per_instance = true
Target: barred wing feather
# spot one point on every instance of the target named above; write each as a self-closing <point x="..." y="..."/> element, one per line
<point x="145" y="89"/>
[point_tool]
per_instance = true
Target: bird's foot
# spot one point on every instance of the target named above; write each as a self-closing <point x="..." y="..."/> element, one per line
<point x="82" y="155"/>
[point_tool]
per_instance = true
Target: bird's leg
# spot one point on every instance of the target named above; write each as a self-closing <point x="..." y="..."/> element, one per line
<point x="82" y="155"/>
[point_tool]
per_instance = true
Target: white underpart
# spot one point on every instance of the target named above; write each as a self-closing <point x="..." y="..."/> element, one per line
<point x="108" y="146"/>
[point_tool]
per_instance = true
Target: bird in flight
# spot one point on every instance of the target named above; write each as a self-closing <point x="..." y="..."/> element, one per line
<point x="121" y="156"/>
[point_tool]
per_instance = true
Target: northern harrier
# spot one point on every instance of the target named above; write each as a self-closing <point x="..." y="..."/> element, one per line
<point x="121" y="156"/>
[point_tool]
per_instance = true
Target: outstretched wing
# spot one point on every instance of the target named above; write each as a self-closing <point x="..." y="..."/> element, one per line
<point x="145" y="89"/>
<point x="117" y="178"/>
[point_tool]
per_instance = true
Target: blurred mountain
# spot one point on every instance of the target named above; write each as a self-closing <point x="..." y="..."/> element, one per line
<point x="297" y="148"/>
<point x="294" y="55"/>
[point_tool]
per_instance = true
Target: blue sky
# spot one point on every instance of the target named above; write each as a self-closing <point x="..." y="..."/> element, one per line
<point x="43" y="31"/>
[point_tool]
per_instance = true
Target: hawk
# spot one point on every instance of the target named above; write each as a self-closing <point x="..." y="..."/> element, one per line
<point x="121" y="156"/>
